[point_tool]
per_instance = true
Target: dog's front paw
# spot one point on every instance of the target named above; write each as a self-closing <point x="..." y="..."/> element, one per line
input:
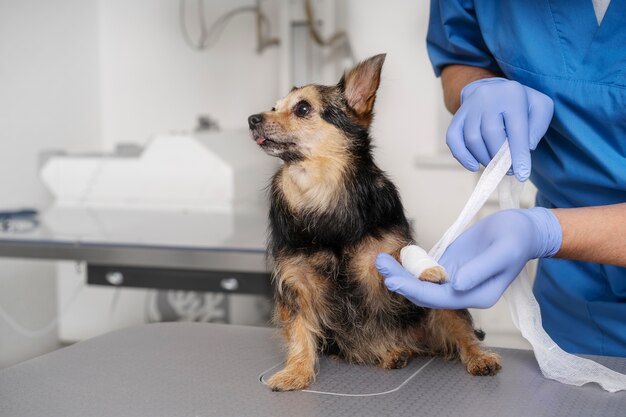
<point x="436" y="274"/>
<point x="419" y="263"/>
<point x="289" y="380"/>
<point x="485" y="363"/>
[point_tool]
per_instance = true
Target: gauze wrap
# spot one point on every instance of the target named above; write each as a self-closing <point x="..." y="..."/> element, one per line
<point x="415" y="260"/>
<point x="554" y="362"/>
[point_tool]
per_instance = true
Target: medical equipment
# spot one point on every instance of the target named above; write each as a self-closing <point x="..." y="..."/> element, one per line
<point x="217" y="171"/>
<point x="16" y="214"/>
<point x="18" y="221"/>
<point x="336" y="384"/>
<point x="186" y="213"/>
<point x="555" y="363"/>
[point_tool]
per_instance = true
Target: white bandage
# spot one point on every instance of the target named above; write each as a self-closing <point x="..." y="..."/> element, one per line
<point x="554" y="362"/>
<point x="415" y="260"/>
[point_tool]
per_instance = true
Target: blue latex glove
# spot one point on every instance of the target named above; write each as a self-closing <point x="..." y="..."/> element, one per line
<point x="493" y="109"/>
<point x="482" y="262"/>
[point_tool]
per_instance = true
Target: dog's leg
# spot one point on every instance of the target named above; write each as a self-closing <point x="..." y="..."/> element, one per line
<point x="300" y="308"/>
<point x="301" y="343"/>
<point x="452" y="333"/>
<point x="396" y="359"/>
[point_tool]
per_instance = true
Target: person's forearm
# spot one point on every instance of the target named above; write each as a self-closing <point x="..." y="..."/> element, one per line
<point x="595" y="234"/>
<point x="454" y="78"/>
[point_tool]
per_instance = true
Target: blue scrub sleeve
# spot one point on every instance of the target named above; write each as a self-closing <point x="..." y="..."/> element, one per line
<point x="454" y="36"/>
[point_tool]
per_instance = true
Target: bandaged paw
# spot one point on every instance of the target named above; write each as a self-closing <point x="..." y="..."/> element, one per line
<point x="415" y="260"/>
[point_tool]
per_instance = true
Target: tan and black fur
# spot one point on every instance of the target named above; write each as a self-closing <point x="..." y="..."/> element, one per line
<point x="332" y="212"/>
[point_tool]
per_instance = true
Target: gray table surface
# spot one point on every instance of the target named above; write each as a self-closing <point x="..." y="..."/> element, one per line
<point x="195" y="370"/>
<point x="202" y="240"/>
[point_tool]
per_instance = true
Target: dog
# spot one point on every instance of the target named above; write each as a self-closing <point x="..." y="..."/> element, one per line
<point x="332" y="211"/>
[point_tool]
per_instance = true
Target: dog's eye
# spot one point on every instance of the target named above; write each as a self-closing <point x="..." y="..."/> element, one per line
<point x="273" y="108"/>
<point x="302" y="109"/>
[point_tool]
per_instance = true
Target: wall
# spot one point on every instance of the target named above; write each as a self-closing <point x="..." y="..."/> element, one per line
<point x="151" y="82"/>
<point x="48" y="99"/>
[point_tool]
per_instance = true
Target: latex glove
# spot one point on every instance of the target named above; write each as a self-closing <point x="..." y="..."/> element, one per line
<point x="493" y="109"/>
<point x="482" y="262"/>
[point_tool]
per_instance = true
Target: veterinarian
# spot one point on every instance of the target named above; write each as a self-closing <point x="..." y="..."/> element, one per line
<point x="523" y="71"/>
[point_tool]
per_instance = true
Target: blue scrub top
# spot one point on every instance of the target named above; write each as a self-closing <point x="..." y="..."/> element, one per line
<point x="558" y="48"/>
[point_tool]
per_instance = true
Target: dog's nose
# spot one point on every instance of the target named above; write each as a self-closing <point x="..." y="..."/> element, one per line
<point x="254" y="120"/>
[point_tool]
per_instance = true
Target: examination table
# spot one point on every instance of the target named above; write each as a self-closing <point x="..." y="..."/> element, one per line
<point x="197" y="370"/>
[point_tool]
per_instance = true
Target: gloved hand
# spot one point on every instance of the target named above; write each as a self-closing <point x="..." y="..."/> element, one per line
<point x="493" y="109"/>
<point x="482" y="262"/>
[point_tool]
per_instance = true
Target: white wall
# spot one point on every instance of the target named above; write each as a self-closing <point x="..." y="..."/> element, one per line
<point x="48" y="99"/>
<point x="48" y="88"/>
<point x="151" y="82"/>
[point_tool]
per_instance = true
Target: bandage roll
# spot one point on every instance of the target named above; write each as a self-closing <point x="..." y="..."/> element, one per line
<point x="415" y="260"/>
<point x="554" y="362"/>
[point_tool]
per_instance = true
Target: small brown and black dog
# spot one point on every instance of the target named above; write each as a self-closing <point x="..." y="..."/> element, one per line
<point x="332" y="212"/>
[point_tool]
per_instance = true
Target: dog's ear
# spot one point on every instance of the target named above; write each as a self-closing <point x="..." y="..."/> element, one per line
<point x="359" y="87"/>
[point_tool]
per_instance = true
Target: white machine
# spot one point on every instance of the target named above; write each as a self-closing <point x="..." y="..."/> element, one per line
<point x="192" y="187"/>
<point x="205" y="171"/>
